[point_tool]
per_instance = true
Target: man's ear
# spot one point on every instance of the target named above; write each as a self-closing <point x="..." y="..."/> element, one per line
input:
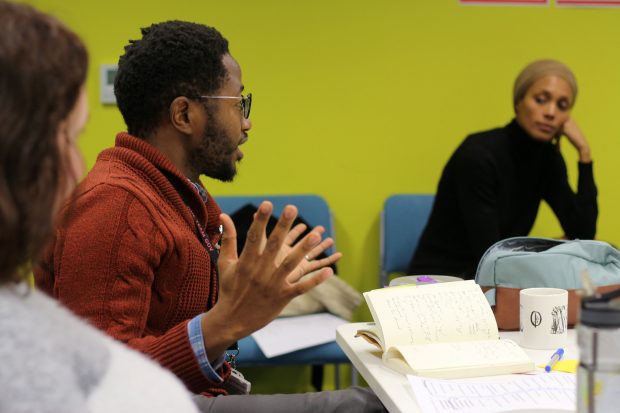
<point x="182" y="115"/>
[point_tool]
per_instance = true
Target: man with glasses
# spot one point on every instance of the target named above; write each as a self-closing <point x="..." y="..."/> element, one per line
<point x="137" y="251"/>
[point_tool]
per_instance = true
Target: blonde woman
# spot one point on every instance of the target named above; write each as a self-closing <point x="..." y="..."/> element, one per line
<point x="492" y="186"/>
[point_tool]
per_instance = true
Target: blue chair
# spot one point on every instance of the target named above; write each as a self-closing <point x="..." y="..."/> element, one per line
<point x="315" y="211"/>
<point x="403" y="219"/>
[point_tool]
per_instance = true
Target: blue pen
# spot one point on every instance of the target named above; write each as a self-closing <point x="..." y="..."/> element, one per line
<point x="557" y="356"/>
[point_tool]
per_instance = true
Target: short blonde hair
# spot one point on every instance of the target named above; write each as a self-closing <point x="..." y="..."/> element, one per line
<point x="539" y="69"/>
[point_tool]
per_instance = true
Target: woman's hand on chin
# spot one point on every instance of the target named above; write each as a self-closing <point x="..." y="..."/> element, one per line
<point x="578" y="140"/>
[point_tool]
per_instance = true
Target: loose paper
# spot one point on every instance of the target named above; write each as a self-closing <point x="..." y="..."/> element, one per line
<point x="288" y="334"/>
<point x="546" y="391"/>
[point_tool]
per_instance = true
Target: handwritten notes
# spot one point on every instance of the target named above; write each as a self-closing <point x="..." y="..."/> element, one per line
<point x="556" y="391"/>
<point x="441" y="330"/>
<point x="445" y="312"/>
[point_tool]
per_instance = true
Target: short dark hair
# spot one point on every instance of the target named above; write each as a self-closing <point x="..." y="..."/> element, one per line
<point x="43" y="67"/>
<point x="172" y="59"/>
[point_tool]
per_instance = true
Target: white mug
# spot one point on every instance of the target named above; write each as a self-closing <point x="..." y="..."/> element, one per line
<point x="543" y="317"/>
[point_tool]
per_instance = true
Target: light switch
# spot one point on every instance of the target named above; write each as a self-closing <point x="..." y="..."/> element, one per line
<point x="107" y="73"/>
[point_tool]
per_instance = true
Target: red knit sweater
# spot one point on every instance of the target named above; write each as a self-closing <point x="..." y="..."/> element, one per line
<point x="128" y="258"/>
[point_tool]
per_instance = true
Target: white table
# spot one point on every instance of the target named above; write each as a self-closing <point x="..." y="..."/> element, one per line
<point x="392" y="387"/>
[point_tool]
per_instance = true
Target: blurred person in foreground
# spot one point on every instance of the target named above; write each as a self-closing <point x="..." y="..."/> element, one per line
<point x="50" y="361"/>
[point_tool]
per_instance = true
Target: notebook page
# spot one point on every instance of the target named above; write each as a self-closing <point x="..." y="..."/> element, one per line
<point x="463" y="359"/>
<point x="454" y="311"/>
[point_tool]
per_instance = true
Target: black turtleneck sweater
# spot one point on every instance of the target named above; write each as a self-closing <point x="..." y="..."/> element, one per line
<point x="491" y="189"/>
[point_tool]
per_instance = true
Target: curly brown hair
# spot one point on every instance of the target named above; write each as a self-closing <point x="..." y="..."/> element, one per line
<point x="43" y="66"/>
<point x="173" y="58"/>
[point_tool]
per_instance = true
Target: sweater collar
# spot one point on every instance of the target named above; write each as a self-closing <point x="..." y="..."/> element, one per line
<point x="523" y="144"/>
<point x="168" y="179"/>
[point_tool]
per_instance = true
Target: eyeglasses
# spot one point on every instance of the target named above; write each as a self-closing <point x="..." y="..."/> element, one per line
<point x="246" y="102"/>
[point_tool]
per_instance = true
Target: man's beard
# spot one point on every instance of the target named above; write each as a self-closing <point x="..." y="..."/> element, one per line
<point x="214" y="156"/>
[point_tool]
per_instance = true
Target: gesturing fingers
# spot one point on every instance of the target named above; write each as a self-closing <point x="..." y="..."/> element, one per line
<point x="310" y="266"/>
<point x="301" y="259"/>
<point x="280" y="232"/>
<point x="316" y="251"/>
<point x="254" y="242"/>
<point x="301" y="287"/>
<point x="294" y="233"/>
<point x="228" y="249"/>
<point x="276" y="263"/>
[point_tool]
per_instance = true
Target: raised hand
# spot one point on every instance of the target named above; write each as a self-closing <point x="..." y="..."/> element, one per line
<point x="255" y="286"/>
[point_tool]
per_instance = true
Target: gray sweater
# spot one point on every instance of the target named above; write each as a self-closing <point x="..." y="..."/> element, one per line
<point x="51" y="361"/>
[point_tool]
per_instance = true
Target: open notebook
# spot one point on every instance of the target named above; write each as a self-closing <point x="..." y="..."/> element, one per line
<point x="444" y="330"/>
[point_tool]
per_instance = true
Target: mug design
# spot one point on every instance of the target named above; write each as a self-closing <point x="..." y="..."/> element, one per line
<point x="558" y="324"/>
<point x="535" y="318"/>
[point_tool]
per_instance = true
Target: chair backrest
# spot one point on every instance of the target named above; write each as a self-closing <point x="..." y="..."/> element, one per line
<point x="403" y="219"/>
<point x="312" y="208"/>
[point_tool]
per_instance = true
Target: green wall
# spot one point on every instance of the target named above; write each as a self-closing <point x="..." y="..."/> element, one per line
<point x="357" y="100"/>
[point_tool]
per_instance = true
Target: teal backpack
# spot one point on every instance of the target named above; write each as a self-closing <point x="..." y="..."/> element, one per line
<point x="525" y="262"/>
